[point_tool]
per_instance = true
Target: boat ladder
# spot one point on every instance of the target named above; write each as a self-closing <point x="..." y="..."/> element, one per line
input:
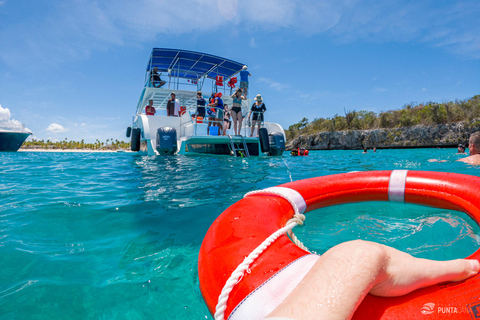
<point x="239" y="148"/>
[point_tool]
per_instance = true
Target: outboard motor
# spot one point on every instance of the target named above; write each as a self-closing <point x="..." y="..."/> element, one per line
<point x="166" y="140"/>
<point x="277" y="143"/>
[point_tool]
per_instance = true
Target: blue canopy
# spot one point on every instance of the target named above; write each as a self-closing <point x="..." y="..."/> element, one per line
<point x="191" y="64"/>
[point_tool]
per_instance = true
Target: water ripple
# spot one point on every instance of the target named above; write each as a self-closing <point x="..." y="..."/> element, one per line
<point x="116" y="235"/>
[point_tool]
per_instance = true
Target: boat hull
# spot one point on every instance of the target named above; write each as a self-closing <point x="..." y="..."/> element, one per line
<point x="218" y="145"/>
<point x="12" y="141"/>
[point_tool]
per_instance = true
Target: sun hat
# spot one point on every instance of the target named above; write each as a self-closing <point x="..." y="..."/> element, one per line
<point x="258" y="97"/>
<point x="218" y="95"/>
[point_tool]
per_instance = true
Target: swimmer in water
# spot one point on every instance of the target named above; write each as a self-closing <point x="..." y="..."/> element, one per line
<point x="474" y="149"/>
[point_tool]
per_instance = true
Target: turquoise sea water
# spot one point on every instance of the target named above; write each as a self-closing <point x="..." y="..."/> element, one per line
<point x="116" y="235"/>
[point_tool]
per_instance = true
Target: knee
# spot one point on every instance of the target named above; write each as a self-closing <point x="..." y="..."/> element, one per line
<point x="360" y="252"/>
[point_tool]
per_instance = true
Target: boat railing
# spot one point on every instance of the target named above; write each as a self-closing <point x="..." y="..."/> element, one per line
<point x="169" y="82"/>
<point x="210" y="120"/>
<point x="172" y="83"/>
<point x="258" y="114"/>
<point x="259" y="122"/>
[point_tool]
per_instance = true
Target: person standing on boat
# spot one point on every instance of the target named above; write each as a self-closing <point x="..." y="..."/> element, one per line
<point x="237" y="111"/>
<point x="226" y="119"/>
<point x="257" y="110"/>
<point x="200" y="105"/>
<point x="149" y="109"/>
<point x="244" y="74"/>
<point x="218" y="113"/>
<point x="173" y="106"/>
<point x="210" y="113"/>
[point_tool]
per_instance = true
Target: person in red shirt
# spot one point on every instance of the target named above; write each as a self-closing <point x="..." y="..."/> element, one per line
<point x="149" y="109"/>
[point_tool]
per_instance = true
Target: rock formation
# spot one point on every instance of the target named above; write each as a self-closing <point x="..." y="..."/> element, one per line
<point x="442" y="135"/>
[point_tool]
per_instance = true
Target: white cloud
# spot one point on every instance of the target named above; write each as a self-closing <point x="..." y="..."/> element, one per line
<point x="273" y="84"/>
<point x="10" y="124"/>
<point x="378" y="89"/>
<point x="4" y="114"/>
<point x="56" y="128"/>
<point x="252" y="43"/>
<point x="227" y="8"/>
<point x="61" y="31"/>
<point x="452" y="25"/>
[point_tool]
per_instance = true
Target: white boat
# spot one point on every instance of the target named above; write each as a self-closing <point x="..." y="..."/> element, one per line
<point x="185" y="73"/>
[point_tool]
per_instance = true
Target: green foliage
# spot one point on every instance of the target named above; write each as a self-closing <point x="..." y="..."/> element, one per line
<point x="349" y="117"/>
<point x="429" y="113"/>
<point x="72" y="145"/>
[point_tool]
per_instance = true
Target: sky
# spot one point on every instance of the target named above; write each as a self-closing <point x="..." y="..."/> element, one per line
<point x="75" y="68"/>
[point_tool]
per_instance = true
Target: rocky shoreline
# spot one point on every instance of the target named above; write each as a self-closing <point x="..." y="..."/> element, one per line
<point x="442" y="135"/>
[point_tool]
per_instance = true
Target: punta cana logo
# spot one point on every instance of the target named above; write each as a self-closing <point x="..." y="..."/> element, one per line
<point x="428" y="308"/>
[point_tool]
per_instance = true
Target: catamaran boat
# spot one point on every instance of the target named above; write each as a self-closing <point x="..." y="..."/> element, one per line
<point x="184" y="73"/>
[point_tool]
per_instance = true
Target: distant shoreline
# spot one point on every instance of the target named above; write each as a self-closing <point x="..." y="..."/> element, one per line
<point x="70" y="150"/>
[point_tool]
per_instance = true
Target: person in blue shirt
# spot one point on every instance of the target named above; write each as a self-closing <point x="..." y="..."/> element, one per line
<point x="244" y="74"/>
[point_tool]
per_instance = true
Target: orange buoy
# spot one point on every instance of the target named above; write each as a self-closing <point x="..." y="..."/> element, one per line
<point x="275" y="272"/>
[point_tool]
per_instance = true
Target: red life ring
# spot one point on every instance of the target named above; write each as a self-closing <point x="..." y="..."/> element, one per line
<point x="245" y="224"/>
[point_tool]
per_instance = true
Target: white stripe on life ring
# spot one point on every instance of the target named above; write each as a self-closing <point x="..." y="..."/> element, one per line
<point x="263" y="300"/>
<point x="396" y="185"/>
<point x="290" y="194"/>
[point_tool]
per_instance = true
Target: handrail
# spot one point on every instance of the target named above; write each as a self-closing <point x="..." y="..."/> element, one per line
<point x="207" y="119"/>
<point x="257" y="112"/>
